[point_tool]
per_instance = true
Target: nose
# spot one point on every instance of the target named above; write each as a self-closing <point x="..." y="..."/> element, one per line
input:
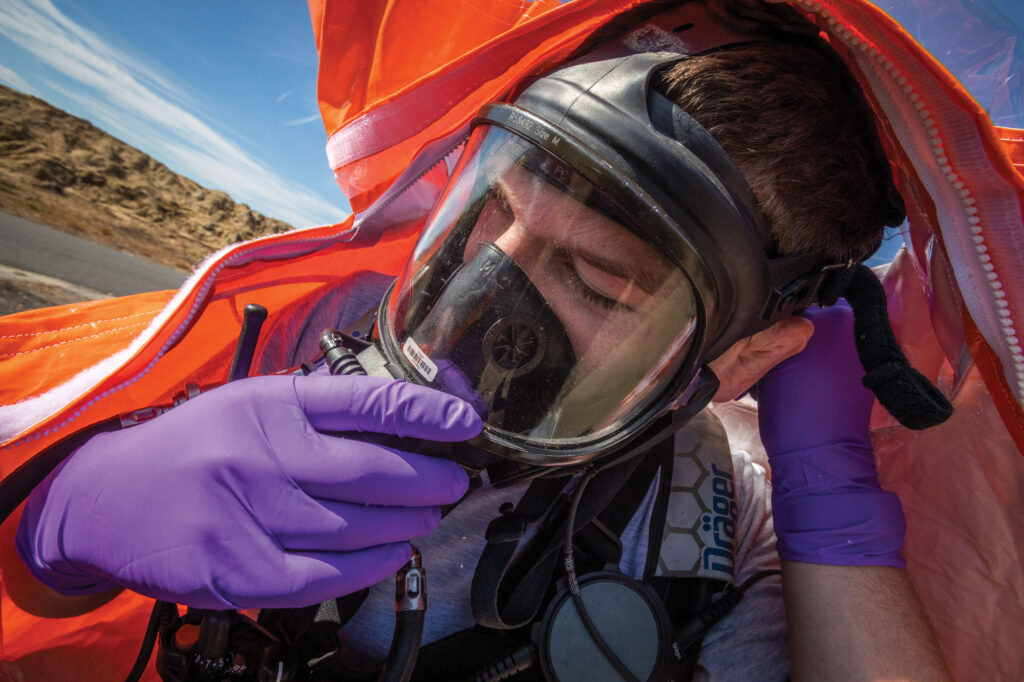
<point x="525" y="250"/>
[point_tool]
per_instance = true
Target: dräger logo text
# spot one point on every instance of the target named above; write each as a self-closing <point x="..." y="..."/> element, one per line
<point x="720" y="524"/>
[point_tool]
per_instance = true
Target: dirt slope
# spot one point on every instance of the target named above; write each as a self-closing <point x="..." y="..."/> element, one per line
<point x="60" y="170"/>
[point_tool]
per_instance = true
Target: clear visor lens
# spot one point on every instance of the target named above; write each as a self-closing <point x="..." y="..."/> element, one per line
<point x="530" y="296"/>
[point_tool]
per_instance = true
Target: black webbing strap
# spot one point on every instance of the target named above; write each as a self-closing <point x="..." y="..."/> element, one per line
<point x="681" y="597"/>
<point x="508" y="593"/>
<point x="503" y="536"/>
<point x="616" y="516"/>
<point x="664" y="453"/>
<point x="902" y="390"/>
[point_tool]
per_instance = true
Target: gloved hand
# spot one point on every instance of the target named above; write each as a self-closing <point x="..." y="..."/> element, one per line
<point x="238" y="498"/>
<point x="813" y="414"/>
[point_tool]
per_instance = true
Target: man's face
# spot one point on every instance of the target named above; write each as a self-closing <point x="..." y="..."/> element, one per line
<point x="556" y="249"/>
<point x="607" y="286"/>
<point x="604" y="283"/>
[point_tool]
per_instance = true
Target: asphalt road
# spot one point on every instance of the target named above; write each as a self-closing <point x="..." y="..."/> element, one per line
<point x="38" y="248"/>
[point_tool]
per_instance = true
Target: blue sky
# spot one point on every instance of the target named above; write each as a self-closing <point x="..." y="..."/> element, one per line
<point x="224" y="91"/>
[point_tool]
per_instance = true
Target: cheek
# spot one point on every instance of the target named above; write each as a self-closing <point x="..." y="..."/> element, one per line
<point x="594" y="335"/>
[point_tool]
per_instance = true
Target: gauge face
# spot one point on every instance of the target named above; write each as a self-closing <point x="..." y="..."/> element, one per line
<point x="570" y="652"/>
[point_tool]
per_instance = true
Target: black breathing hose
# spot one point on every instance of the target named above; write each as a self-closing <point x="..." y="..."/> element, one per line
<point x="410" y="608"/>
<point x="405" y="647"/>
<point x="156" y="618"/>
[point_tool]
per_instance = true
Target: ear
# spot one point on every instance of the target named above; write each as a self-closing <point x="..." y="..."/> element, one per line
<point x="751" y="358"/>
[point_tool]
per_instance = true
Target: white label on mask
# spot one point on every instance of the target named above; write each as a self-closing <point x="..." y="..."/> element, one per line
<point x="415" y="355"/>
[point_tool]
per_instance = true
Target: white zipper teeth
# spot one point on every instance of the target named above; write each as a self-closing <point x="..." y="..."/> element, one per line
<point x="942" y="160"/>
<point x="387" y="201"/>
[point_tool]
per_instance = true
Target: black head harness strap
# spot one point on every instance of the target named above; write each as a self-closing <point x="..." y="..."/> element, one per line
<point x="902" y="390"/>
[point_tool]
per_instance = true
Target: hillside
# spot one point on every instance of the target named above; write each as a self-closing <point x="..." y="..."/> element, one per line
<point x="61" y="170"/>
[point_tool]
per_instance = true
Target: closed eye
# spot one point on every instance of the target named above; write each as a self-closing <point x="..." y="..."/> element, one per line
<point x="610" y="289"/>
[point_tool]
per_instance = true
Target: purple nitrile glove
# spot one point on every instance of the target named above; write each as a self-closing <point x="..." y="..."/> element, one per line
<point x="452" y="380"/>
<point x="813" y="414"/>
<point x="238" y="498"/>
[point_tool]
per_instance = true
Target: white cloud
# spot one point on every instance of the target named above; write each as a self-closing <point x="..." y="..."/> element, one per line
<point x="146" y="110"/>
<point x="11" y="79"/>
<point x="302" y="121"/>
<point x="280" y="98"/>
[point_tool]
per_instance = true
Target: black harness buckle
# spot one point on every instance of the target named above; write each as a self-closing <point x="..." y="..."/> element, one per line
<point x="800" y="292"/>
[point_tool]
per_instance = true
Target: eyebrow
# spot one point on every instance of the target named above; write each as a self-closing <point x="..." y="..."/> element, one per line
<point x="649" y="279"/>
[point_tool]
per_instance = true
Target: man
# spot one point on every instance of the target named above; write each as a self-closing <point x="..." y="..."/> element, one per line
<point x="277" y="525"/>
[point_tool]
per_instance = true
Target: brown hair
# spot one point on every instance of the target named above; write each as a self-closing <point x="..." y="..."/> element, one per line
<point x="786" y="115"/>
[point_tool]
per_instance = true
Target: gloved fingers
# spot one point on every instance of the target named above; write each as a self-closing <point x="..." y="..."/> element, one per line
<point x="269" y="578"/>
<point x="328" y="526"/>
<point x="313" y="577"/>
<point x="830" y="355"/>
<point x="452" y="380"/>
<point x="350" y="470"/>
<point x="816" y="396"/>
<point x="360" y="403"/>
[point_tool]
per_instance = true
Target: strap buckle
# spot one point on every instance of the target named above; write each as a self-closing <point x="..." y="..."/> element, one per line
<point x="801" y="292"/>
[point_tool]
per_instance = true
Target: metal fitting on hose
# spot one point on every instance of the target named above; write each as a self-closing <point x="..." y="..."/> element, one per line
<point x="411" y="585"/>
<point x="340" y="358"/>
